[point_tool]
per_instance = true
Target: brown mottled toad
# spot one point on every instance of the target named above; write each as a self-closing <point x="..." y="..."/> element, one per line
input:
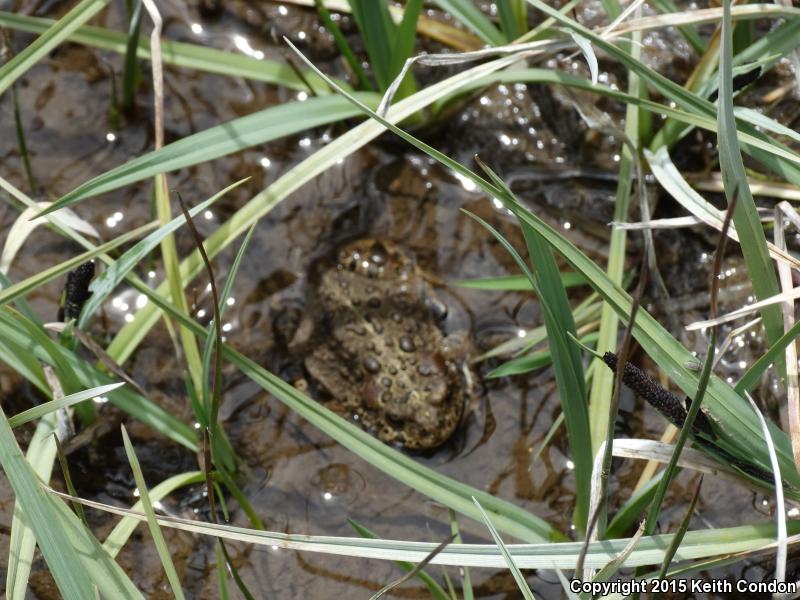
<point x="371" y="343"/>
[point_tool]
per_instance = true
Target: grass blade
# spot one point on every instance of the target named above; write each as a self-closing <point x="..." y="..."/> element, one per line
<point x="244" y="132"/>
<point x="512" y="566"/>
<point x="343" y="45"/>
<point x="40" y="455"/>
<point x="107" y="281"/>
<point x="43" y="409"/>
<point x="650" y="550"/>
<point x="377" y="29"/>
<point x="734" y="178"/>
<point x="70" y="575"/>
<point x="132" y="73"/>
<point x="566" y="358"/>
<point x="179" y="54"/>
<point x="60" y="31"/>
<point x="433" y="587"/>
<point x="155" y="530"/>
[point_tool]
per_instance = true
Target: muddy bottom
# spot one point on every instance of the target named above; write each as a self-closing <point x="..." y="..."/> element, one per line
<point x="296" y="478"/>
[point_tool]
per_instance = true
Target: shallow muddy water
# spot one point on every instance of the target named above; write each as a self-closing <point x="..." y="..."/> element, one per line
<point x="297" y="479"/>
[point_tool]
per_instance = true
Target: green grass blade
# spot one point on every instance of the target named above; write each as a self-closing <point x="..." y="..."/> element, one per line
<point x="132" y="73"/>
<point x="433" y="587"/>
<point x="106" y="574"/>
<point x="682" y="529"/>
<point x="53" y="405"/>
<point x="467" y="580"/>
<point x="14" y="337"/>
<point x="530" y="362"/>
<point x="60" y="31"/>
<point x="70" y="575"/>
<point x="125" y="528"/>
<point x="405" y="35"/>
<point x="155" y="530"/>
<point x="745" y="216"/>
<point x="257" y="128"/>
<point x="566" y="358"/>
<point x="37" y="334"/>
<point x="602" y="384"/>
<point x="180" y="54"/>
<point x="40" y="455"/>
<point x="758" y="368"/>
<point x="377" y="29"/>
<point x="468" y="13"/>
<point x="508" y="19"/>
<point x="223" y="304"/>
<point x="518" y="577"/>
<point x="343" y="45"/>
<point x="23" y="363"/>
<point x="514" y="283"/>
<point x="633" y="508"/>
<point x="109" y="279"/>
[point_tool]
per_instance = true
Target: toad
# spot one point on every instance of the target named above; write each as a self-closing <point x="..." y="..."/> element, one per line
<point x="370" y="340"/>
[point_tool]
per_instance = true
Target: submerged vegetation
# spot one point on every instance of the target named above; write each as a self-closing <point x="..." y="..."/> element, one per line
<point x="211" y="375"/>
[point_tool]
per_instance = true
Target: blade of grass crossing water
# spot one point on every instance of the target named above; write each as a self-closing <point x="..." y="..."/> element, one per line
<point x="603" y="382"/>
<point x="745" y="217"/>
<point x="254" y="129"/>
<point x="40" y="455"/>
<point x="41" y="410"/>
<point x="522" y="584"/>
<point x="434" y="588"/>
<point x="565" y="356"/>
<point x="155" y="530"/>
<point x="70" y="575"/>
<point x="60" y="30"/>
<point x="179" y="54"/>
